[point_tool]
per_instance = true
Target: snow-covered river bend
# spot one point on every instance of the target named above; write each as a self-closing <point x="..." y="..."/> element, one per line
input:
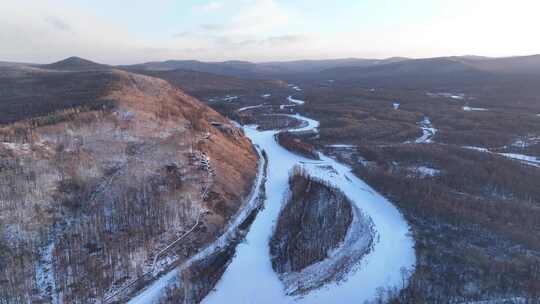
<point x="250" y="277"/>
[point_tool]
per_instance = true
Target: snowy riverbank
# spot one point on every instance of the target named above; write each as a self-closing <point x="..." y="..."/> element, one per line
<point x="250" y="277"/>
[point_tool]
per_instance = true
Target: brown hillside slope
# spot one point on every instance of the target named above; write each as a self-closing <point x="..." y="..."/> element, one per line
<point x="99" y="170"/>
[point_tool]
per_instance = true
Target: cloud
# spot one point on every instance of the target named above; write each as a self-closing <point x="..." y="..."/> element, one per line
<point x="284" y="40"/>
<point x="209" y="7"/>
<point x="213" y="27"/>
<point x="255" y="17"/>
<point x="57" y="23"/>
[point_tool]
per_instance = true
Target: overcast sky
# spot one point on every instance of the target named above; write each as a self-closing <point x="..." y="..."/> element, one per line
<point x="131" y="31"/>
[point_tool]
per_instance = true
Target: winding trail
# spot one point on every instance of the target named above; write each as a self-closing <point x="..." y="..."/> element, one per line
<point x="250" y="277"/>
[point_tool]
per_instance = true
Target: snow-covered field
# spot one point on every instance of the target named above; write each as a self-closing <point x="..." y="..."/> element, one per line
<point x="250" y="277"/>
<point x="525" y="159"/>
<point x="424" y="171"/>
<point x="459" y="96"/>
<point x="530" y="160"/>
<point x="470" y="109"/>
<point x="226" y="98"/>
<point x="249" y="108"/>
<point x="295" y="87"/>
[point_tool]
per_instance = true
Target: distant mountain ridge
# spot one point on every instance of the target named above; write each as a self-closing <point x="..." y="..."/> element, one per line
<point x="265" y="69"/>
<point x="345" y="68"/>
<point x="75" y="64"/>
<point x="439" y="71"/>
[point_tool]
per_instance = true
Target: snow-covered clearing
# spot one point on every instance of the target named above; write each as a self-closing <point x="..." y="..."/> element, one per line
<point x="470" y="109"/>
<point x="295" y="87"/>
<point x="396" y="105"/>
<point x="479" y="149"/>
<point x="249" y="108"/>
<point x="459" y="96"/>
<point x="428" y="131"/>
<point x="530" y="160"/>
<point x="229" y="98"/>
<point x="16" y="147"/>
<point x="525" y="159"/>
<point x="226" y="98"/>
<point x="525" y="142"/>
<point x="250" y="277"/>
<point x="424" y="171"/>
<point x="266" y="95"/>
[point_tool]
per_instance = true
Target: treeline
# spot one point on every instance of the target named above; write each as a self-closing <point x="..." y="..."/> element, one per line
<point x="295" y="144"/>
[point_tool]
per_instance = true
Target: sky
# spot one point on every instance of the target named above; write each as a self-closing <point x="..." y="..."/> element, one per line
<point x="134" y="31"/>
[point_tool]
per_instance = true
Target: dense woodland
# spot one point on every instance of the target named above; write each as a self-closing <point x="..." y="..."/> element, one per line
<point x="474" y="215"/>
<point x="314" y="220"/>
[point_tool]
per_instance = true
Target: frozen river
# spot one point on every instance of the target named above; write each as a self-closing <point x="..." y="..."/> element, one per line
<point x="250" y="277"/>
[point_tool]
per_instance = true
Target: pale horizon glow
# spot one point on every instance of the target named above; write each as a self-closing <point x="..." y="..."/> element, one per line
<point x="126" y="32"/>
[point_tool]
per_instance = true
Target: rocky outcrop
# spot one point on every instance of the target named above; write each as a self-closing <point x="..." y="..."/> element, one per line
<point x="319" y="236"/>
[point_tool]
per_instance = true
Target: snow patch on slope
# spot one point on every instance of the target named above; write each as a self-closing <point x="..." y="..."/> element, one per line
<point x="428" y="131"/>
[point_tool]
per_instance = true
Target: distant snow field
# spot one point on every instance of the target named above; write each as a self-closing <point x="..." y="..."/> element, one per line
<point x="469" y="109"/>
<point x="249" y="108"/>
<point x="458" y="96"/>
<point x="424" y="171"/>
<point x="525" y="159"/>
<point x="226" y="98"/>
<point x="295" y="87"/>
<point x="526" y="142"/>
